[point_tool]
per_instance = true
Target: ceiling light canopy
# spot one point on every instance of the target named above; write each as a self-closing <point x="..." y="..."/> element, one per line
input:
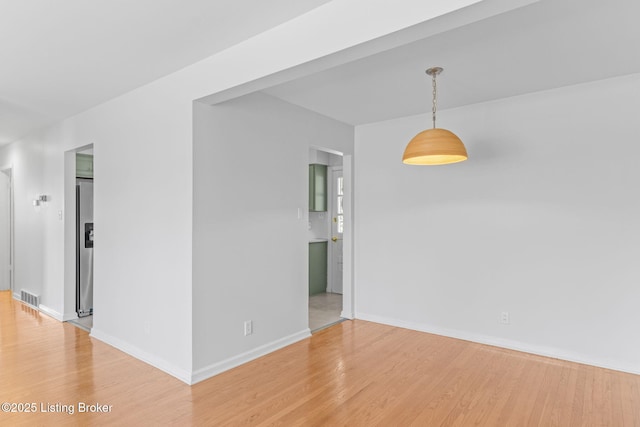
<point x="434" y="146"/>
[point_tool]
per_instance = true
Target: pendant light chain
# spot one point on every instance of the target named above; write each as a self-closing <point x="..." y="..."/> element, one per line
<point x="433" y="108"/>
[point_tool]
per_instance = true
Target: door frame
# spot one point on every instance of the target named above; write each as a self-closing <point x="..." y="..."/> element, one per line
<point x="348" y="288"/>
<point x="8" y="170"/>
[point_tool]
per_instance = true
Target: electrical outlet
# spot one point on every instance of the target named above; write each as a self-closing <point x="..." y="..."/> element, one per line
<point x="504" y="318"/>
<point x="147" y="327"/>
<point x="248" y="327"/>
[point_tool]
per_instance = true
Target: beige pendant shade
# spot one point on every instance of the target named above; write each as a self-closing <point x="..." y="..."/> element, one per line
<point x="434" y="147"/>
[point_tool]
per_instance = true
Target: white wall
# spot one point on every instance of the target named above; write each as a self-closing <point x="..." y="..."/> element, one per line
<point x="541" y="221"/>
<point x="320" y="157"/>
<point x="319" y="225"/>
<point x="29" y="176"/>
<point x="5" y="237"/>
<point x="249" y="245"/>
<point x="142" y="216"/>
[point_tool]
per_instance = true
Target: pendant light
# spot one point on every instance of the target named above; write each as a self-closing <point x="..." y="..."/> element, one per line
<point x="434" y="146"/>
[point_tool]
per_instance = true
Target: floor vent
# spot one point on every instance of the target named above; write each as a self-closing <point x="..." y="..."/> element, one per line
<point x="30" y="299"/>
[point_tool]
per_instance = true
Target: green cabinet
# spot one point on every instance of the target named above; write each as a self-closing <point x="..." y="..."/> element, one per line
<point x="84" y="166"/>
<point x="317" y="267"/>
<point x="317" y="188"/>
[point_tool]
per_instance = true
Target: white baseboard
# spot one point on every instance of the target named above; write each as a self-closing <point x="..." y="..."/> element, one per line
<point x="54" y="314"/>
<point x="51" y="312"/>
<point x="504" y="343"/>
<point x="163" y="365"/>
<point x="232" y="362"/>
<point x="346" y="314"/>
<point x="69" y="316"/>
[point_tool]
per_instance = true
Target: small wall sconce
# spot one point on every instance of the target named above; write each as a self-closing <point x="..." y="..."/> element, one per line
<point x="39" y="199"/>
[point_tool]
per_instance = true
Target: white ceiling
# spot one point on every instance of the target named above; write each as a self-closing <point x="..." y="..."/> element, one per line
<point x="549" y="44"/>
<point x="62" y="57"/>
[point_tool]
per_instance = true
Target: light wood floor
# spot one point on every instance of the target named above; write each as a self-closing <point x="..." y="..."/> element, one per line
<point x="354" y="373"/>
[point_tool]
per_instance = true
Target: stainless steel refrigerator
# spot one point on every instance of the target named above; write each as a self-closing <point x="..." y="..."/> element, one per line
<point x="84" y="247"/>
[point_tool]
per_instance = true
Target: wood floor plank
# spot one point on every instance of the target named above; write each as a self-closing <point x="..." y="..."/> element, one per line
<point x="355" y="374"/>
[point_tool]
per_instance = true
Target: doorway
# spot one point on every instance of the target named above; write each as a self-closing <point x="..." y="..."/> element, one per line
<point x="326" y="228"/>
<point x="79" y="180"/>
<point x="6" y="230"/>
